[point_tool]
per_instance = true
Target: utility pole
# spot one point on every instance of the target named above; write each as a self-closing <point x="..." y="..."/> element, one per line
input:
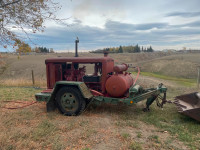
<point x="76" y="47"/>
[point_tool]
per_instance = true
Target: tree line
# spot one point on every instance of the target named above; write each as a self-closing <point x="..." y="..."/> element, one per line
<point x="25" y="48"/>
<point x="43" y="50"/>
<point x="125" y="49"/>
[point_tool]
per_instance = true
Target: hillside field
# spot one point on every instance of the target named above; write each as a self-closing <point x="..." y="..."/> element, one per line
<point x="169" y="64"/>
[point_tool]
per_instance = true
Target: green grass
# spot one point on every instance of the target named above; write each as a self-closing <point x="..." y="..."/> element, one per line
<point x="43" y="130"/>
<point x="139" y="134"/>
<point x="168" y="119"/>
<point x="17" y="93"/>
<point x="86" y="149"/>
<point x="154" y="138"/>
<point x="51" y="130"/>
<point x="135" y="146"/>
<point x="125" y="135"/>
<point x="178" y="80"/>
<point x="182" y="127"/>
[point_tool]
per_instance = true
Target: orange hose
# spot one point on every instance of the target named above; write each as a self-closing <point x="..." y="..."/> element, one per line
<point x="138" y="74"/>
<point x="96" y="92"/>
<point x="19" y="106"/>
<point x="22" y="102"/>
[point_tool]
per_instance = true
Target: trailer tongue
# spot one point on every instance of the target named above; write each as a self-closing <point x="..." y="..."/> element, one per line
<point x="189" y="105"/>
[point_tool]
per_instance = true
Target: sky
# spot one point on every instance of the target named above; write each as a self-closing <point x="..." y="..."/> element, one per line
<point x="163" y="24"/>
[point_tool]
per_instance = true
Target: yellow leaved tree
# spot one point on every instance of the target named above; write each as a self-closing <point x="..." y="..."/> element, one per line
<point x="23" y="48"/>
<point x="24" y="17"/>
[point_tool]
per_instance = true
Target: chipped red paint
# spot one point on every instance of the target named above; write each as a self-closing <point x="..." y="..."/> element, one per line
<point x="107" y="79"/>
<point x="120" y="68"/>
<point x="56" y="71"/>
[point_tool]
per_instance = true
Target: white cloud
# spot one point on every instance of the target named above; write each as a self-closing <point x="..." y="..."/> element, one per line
<point x="101" y="23"/>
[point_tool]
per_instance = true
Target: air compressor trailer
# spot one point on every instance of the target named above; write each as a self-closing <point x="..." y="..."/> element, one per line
<point x="71" y="89"/>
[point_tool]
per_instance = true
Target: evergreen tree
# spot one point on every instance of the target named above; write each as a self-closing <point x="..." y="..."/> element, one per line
<point x="126" y="49"/>
<point x="150" y="49"/>
<point x="137" y="49"/>
<point x="120" y="49"/>
<point x="43" y="50"/>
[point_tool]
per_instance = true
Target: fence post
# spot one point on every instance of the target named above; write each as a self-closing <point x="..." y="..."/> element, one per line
<point x="198" y="76"/>
<point x="33" y="79"/>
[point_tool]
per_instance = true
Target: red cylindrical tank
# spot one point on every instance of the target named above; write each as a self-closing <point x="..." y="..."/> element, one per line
<point x="120" y="68"/>
<point x="118" y="84"/>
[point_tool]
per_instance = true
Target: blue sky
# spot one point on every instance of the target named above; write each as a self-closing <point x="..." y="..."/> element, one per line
<point x="107" y="23"/>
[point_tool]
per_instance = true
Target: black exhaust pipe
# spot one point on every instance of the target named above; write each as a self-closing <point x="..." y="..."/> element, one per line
<point x="76" y="47"/>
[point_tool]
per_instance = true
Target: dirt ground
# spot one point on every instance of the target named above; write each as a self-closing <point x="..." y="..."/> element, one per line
<point x="97" y="128"/>
<point x="103" y="127"/>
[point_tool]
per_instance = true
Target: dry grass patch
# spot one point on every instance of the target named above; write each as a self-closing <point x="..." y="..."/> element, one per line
<point x="180" y="65"/>
<point x="17" y="93"/>
<point x="103" y="127"/>
<point x="21" y="68"/>
<point x="23" y="83"/>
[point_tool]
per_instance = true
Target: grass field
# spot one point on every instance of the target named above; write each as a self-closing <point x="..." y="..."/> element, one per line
<point x="99" y="128"/>
<point x="176" y="65"/>
<point x="181" y="81"/>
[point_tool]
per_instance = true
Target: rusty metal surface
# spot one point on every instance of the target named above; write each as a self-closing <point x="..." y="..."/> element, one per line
<point x="120" y="68"/>
<point x="78" y="59"/>
<point x="56" y="71"/>
<point x="189" y="105"/>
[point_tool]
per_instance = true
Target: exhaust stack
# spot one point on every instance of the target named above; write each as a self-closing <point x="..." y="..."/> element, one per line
<point x="76" y="47"/>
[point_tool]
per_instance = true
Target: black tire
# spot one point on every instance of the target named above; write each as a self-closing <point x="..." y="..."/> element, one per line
<point x="70" y="101"/>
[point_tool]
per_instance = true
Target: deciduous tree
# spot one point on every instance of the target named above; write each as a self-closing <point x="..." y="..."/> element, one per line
<point x="23" y="48"/>
<point x="22" y="17"/>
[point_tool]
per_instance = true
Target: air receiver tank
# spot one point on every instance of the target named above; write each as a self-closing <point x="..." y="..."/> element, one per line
<point x="119" y="83"/>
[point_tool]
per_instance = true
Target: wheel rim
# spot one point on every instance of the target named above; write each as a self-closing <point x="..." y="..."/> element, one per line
<point x="69" y="102"/>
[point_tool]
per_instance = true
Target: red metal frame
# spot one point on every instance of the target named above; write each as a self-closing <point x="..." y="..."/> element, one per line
<point x="56" y="70"/>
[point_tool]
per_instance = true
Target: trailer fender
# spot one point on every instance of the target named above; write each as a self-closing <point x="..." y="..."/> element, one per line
<point x="51" y="104"/>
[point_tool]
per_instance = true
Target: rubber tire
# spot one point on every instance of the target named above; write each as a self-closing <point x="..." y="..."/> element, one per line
<point x="78" y="96"/>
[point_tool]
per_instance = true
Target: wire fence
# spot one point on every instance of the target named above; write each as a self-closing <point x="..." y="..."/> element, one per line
<point x="16" y="95"/>
<point x="22" y="83"/>
<point x="20" y="72"/>
<point x="14" y="92"/>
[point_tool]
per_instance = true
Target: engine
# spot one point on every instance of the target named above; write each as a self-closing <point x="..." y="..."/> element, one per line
<point x="117" y="85"/>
